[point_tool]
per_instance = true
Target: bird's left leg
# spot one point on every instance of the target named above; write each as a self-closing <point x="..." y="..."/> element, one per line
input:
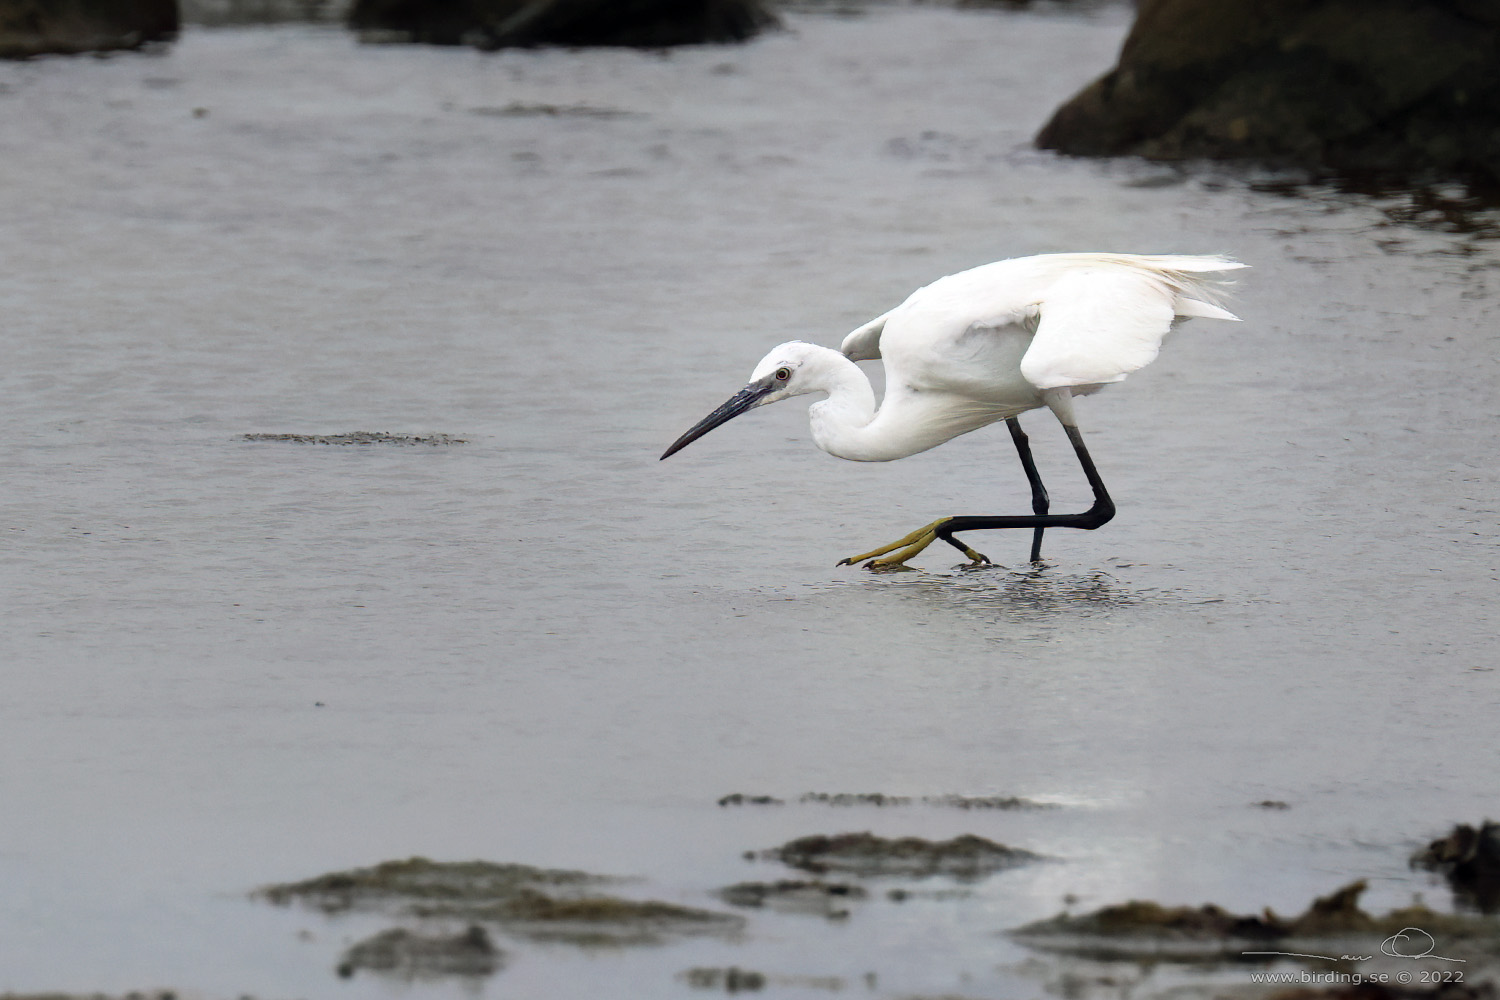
<point x="909" y="546"/>
<point x="1103" y="509"/>
<point x="1039" y="501"/>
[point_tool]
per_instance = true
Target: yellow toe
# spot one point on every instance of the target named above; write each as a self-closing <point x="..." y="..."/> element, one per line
<point x="908" y="546"/>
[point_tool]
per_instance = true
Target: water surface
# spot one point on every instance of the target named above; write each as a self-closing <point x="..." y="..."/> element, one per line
<point x="231" y="662"/>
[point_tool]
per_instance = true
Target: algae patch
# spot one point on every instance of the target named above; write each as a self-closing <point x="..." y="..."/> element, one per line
<point x="359" y="438"/>
<point x="866" y="855"/>
<point x="438" y="888"/>
<point x="543" y="903"/>
<point x="1141" y="928"/>
<point x="883" y="800"/>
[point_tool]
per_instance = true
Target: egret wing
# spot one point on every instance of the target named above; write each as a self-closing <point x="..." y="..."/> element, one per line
<point x="1097" y="325"/>
<point x="863" y="344"/>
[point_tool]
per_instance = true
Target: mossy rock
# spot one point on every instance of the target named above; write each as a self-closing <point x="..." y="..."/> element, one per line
<point x="39" y="27"/>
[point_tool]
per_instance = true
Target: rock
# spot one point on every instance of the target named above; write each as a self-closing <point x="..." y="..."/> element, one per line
<point x="1470" y="860"/>
<point x="494" y="24"/>
<point x="1385" y="87"/>
<point x="35" y="27"/>
<point x="412" y="955"/>
<point x="730" y="980"/>
<point x="543" y="903"/>
<point x="1186" y="932"/>
<point x="866" y="855"/>
<point x="459" y="888"/>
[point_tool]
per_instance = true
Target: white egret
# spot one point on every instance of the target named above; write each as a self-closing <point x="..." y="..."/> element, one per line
<point x="985" y="345"/>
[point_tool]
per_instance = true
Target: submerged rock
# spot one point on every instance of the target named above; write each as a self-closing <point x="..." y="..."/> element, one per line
<point x="730" y="980"/>
<point x="36" y="27"/>
<point x="448" y="888"/>
<point x="1470" y="860"/>
<point x="495" y="24"/>
<point x="604" y="920"/>
<point x="864" y="854"/>
<point x="741" y="799"/>
<point x="1146" y="927"/>
<point x="882" y="799"/>
<point x="358" y="437"/>
<point x="406" y="953"/>
<point x="1392" y="87"/>
<point x="550" y="903"/>
<point x="815" y="897"/>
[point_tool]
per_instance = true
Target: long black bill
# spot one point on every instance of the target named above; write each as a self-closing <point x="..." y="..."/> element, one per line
<point x="746" y="399"/>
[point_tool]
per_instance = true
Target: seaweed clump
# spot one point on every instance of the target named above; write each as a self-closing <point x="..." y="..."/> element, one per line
<point x="544" y="903"/>
<point x="1143" y="925"/>
<point x="424" y="887"/>
<point x="359" y="437"/>
<point x="864" y="854"/>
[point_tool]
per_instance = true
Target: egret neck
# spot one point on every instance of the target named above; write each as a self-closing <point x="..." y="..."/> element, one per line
<point x="841" y="423"/>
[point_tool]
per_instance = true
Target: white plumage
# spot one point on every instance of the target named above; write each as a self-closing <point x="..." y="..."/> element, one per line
<point x="985" y="345"/>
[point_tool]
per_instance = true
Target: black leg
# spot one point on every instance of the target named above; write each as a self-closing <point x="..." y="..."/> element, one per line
<point x="1100" y="513"/>
<point x="1060" y="402"/>
<point x="1038" y="491"/>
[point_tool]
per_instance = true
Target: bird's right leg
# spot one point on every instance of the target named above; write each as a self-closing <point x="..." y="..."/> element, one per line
<point x="1039" y="501"/>
<point x="910" y="545"/>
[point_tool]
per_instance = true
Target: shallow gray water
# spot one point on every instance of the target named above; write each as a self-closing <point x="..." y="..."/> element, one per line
<point x="229" y="662"/>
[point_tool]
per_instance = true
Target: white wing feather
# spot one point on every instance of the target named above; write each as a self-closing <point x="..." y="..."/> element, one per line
<point x="1098" y="324"/>
<point x="863" y="344"/>
<point x="1097" y="316"/>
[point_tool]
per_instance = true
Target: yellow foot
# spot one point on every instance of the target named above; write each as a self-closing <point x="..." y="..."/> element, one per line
<point x="908" y="546"/>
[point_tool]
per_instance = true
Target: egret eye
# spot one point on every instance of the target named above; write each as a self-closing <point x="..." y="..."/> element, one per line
<point x="782" y="374"/>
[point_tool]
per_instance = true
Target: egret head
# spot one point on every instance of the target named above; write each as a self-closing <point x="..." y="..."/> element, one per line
<point x="789" y="370"/>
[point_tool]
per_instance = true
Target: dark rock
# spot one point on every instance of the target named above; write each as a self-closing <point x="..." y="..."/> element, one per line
<point x="1140" y="927"/>
<point x="855" y="799"/>
<point x="741" y="799"/>
<point x="817" y="898"/>
<point x="730" y="980"/>
<point x="1363" y="87"/>
<point x="412" y="955"/>
<point x="494" y="24"/>
<point x="35" y="27"/>
<point x="1470" y="860"/>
